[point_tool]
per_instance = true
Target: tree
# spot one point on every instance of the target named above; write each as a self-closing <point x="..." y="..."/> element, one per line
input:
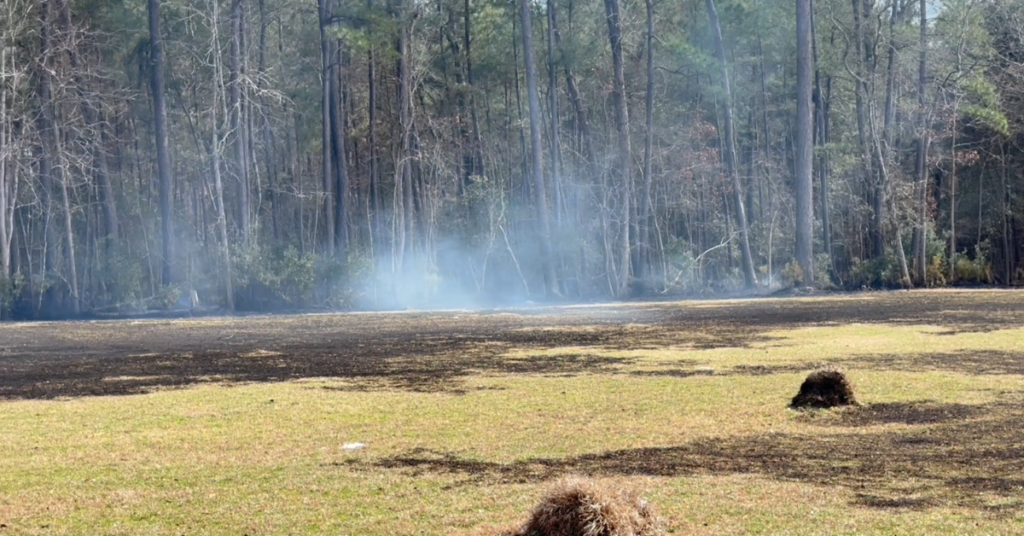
<point x="163" y="157"/>
<point x="13" y="77"/>
<point x="749" y="279"/>
<point x="643" y="241"/>
<point x="804" y="179"/>
<point x="326" y="130"/>
<point x="625" y="150"/>
<point x="536" y="168"/>
<point x="415" y="163"/>
<point x="921" y="157"/>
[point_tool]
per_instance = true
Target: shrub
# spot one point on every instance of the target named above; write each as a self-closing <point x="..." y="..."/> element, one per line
<point x="122" y="278"/>
<point x="936" y="271"/>
<point x="579" y="507"/>
<point x="10" y="289"/>
<point x="826" y="388"/>
<point x="823" y="271"/>
<point x="346" y="280"/>
<point x="791" y="275"/>
<point x="976" y="270"/>
<point x="269" y="277"/>
<point x="881" y="272"/>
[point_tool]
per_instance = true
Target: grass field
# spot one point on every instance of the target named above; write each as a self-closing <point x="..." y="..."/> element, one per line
<point x="238" y="425"/>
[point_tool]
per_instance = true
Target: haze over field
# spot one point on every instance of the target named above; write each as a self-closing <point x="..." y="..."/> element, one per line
<point x="264" y="155"/>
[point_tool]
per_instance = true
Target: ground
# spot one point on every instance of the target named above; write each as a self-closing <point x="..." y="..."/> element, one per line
<point x="240" y="425"/>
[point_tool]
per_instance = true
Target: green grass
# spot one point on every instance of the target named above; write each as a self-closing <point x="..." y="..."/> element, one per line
<point x="703" y="433"/>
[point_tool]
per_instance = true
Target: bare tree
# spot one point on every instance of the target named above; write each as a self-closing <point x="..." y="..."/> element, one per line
<point x="338" y="149"/>
<point x="536" y="150"/>
<point x="822" y="107"/>
<point x="749" y="278"/>
<point x="625" y="150"/>
<point x="46" y="151"/>
<point x="218" y="139"/>
<point x="326" y="132"/>
<point x="643" y="240"/>
<point x="12" y="75"/>
<point x="804" y="136"/>
<point x="920" y="173"/>
<point x="555" y="153"/>
<point x="163" y="157"/>
<point x="237" y="106"/>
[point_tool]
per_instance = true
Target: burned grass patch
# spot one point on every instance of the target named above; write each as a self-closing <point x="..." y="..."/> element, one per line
<point x="956" y="462"/>
<point x="432" y="370"/>
<point x="433" y="351"/>
<point x="971" y="363"/>
<point x="910" y="413"/>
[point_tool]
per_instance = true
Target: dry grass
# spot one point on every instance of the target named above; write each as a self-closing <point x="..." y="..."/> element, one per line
<point x="825" y="388"/>
<point x="468" y="420"/>
<point x="581" y="507"/>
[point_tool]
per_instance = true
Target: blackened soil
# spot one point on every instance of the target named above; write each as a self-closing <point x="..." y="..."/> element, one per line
<point x="431" y="351"/>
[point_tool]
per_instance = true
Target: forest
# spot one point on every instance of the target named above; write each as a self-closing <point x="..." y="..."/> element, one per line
<point x="260" y="155"/>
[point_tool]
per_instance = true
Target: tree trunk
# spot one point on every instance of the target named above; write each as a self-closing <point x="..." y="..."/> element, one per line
<point x="643" y="240"/>
<point x="237" y="106"/>
<point x="766" y="127"/>
<point x="1004" y="213"/>
<point x="920" y="175"/>
<point x="864" y="144"/>
<point x="404" y="202"/>
<point x="339" y="153"/>
<point x="952" y="203"/>
<point x="45" y="154"/>
<point x="556" y="150"/>
<point x="6" y="183"/>
<point x="216" y="142"/>
<point x="890" y="77"/>
<point x="822" y="105"/>
<point x="536" y="150"/>
<point x="749" y="278"/>
<point x="269" y="143"/>
<point x="882" y="184"/>
<point x="107" y="197"/>
<point x="163" y="156"/>
<point x="69" y="229"/>
<point x="883" y="177"/>
<point x="478" y="144"/>
<point x="222" y="223"/>
<point x="523" y="161"/>
<point x="625" y="156"/>
<point x="804" y="151"/>
<point x="8" y="171"/>
<point x="371" y="140"/>
<point x="326" y="133"/>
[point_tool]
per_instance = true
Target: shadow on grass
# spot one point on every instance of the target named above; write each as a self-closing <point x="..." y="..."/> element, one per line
<point x="955" y="457"/>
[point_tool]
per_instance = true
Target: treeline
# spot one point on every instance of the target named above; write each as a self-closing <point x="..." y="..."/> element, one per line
<point x="267" y="154"/>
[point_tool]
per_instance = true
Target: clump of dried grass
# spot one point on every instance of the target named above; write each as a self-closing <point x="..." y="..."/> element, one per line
<point x="825" y="388"/>
<point x="581" y="507"/>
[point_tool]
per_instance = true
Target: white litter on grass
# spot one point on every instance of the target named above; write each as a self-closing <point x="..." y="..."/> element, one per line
<point x="352" y="446"/>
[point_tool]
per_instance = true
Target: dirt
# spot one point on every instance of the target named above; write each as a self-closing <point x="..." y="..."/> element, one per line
<point x="431" y="351"/>
<point x="946" y="455"/>
<point x="906" y="455"/>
